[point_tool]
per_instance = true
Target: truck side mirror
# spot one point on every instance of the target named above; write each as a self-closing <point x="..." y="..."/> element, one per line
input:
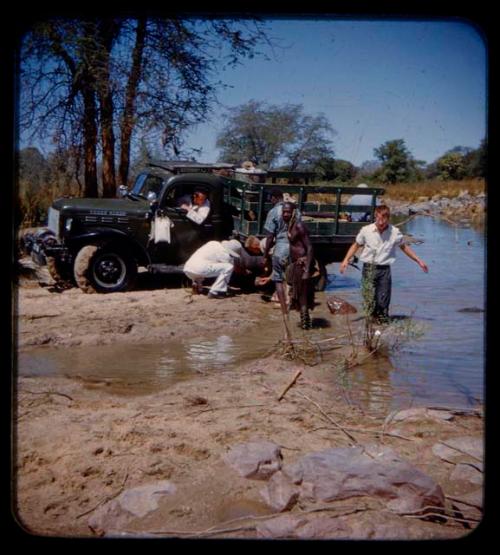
<point x="122" y="191"/>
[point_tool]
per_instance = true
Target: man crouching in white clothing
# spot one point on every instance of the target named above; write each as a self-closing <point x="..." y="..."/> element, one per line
<point x="213" y="260"/>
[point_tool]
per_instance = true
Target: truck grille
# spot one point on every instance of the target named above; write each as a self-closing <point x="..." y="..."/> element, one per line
<point x="106" y="219"/>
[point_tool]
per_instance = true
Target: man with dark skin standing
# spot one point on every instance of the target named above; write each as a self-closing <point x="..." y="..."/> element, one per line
<point x="301" y="266"/>
<point x="379" y="241"/>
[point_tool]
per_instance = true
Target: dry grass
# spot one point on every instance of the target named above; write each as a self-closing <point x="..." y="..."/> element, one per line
<point x="411" y="192"/>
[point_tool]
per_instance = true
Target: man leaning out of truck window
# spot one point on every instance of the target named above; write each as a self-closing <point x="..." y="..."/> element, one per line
<point x="200" y="208"/>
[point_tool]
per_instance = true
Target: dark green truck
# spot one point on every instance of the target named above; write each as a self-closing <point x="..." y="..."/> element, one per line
<point x="98" y="244"/>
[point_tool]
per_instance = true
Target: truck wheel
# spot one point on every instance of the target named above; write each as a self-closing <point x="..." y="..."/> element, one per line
<point x="104" y="270"/>
<point x="323" y="278"/>
<point x="60" y="273"/>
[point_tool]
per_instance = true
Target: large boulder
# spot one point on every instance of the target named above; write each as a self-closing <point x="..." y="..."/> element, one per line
<point x="257" y="460"/>
<point x="341" y="473"/>
<point x="131" y="504"/>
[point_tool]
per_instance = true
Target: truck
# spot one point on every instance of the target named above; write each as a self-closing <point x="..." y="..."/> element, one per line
<point x="98" y="244"/>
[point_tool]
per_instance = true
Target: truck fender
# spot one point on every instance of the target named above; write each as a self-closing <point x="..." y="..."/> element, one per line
<point x="101" y="235"/>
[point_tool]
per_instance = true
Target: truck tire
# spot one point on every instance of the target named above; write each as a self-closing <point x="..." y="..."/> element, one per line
<point x="104" y="270"/>
<point x="60" y="273"/>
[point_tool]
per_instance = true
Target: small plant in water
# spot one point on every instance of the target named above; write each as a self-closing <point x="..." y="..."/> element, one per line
<point x="368" y="306"/>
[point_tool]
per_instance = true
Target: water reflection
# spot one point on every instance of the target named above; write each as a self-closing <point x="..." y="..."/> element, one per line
<point x="445" y="366"/>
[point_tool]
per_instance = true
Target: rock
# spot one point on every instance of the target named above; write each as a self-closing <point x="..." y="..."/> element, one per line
<point x="255" y="460"/>
<point x="325" y="527"/>
<point x="302" y="527"/>
<point x="475" y="499"/>
<point x="285" y="526"/>
<point x="130" y="504"/>
<point x="280" y="494"/>
<point x="337" y="305"/>
<point x="350" y="472"/>
<point x="420" y="413"/>
<point x="458" y="448"/>
<point x="466" y="473"/>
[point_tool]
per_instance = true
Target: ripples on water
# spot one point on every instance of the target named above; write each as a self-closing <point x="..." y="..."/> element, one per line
<point x="445" y="367"/>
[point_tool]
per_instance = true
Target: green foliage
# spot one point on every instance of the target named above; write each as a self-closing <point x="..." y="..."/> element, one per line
<point x="266" y="133"/>
<point x="460" y="163"/>
<point x="398" y="165"/>
<point x="451" y="166"/>
<point x="335" y="170"/>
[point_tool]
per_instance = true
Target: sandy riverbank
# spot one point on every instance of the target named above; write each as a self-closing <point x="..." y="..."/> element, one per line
<point x="81" y="445"/>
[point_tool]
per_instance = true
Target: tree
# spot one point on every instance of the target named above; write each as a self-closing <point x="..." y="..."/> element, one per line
<point x="398" y="165"/>
<point x="336" y="169"/>
<point x="87" y="82"/>
<point x="476" y="161"/>
<point x="451" y="166"/>
<point x="267" y="134"/>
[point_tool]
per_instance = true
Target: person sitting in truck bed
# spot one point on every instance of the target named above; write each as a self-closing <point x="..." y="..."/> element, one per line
<point x="199" y="209"/>
<point x="361" y="200"/>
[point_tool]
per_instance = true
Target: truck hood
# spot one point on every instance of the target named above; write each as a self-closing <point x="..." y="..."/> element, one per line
<point x="103" y="207"/>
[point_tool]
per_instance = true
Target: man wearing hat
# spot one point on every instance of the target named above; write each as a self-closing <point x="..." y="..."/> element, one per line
<point x="200" y="208"/>
<point x="213" y="260"/>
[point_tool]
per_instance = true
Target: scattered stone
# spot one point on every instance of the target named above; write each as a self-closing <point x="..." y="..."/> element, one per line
<point x="474" y="499"/>
<point x="280" y="494"/>
<point x="454" y="449"/>
<point x="195" y="400"/>
<point x="337" y="305"/>
<point x="255" y="460"/>
<point x="130" y="504"/>
<point x="352" y="472"/>
<point x="466" y="473"/>
<point x="420" y="413"/>
<point x="301" y="527"/>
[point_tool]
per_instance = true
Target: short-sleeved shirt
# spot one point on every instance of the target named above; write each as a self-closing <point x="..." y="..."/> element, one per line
<point x="276" y="225"/>
<point x="379" y="248"/>
<point x="198" y="214"/>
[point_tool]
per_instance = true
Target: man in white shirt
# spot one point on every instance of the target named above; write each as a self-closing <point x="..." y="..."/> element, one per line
<point x="213" y="260"/>
<point x="200" y="208"/>
<point x="379" y="241"/>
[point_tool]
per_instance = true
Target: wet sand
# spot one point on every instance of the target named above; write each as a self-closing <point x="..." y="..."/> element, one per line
<point x="80" y="443"/>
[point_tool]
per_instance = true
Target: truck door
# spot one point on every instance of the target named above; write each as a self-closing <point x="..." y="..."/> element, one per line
<point x="185" y="235"/>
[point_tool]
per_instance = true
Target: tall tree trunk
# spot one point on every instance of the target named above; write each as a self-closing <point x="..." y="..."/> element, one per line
<point x="108" y="146"/>
<point x="107" y="31"/>
<point x="128" y="113"/>
<point x="89" y="143"/>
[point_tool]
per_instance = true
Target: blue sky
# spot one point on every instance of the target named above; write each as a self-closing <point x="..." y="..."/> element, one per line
<point x="421" y="81"/>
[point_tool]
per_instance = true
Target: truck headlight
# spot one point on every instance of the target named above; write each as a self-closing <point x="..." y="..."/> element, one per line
<point x="68" y="224"/>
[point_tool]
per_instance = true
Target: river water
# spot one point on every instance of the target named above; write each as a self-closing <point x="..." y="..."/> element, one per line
<point x="443" y="366"/>
<point x="446" y="365"/>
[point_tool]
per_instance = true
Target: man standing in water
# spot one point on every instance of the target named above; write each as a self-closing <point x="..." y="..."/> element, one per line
<point x="379" y="241"/>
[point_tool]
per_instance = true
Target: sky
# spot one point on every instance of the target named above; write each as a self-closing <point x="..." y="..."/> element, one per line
<point x="422" y="81"/>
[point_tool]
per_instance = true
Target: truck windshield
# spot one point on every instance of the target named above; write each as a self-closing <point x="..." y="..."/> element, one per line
<point x="146" y="183"/>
